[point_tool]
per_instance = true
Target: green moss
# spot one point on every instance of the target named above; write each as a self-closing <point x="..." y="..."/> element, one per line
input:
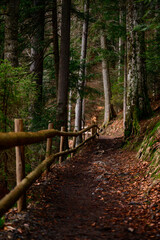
<point x="157" y="176"/>
<point x="136" y="126"/>
<point x="2" y="221"/>
<point x="155" y="129"/>
<point x="149" y="152"/>
<point x="155" y="172"/>
<point x="154" y="161"/>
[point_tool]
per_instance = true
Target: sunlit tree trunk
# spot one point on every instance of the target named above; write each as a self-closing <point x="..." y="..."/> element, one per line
<point x="70" y="110"/>
<point x="81" y="82"/>
<point x="109" y="112"/>
<point x="137" y="103"/>
<point x="125" y="86"/>
<point x="11" y="32"/>
<point x="37" y="53"/>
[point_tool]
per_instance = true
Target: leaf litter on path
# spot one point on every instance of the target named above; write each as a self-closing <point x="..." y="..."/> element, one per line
<point x="99" y="194"/>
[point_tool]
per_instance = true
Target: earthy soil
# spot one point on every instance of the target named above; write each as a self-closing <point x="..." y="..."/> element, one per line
<point x="101" y="193"/>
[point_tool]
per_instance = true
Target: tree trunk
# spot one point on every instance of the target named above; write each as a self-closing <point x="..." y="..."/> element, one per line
<point x="70" y="110"/>
<point x="120" y="43"/>
<point x="137" y="105"/>
<point x="156" y="82"/>
<point x="125" y="87"/>
<point x="37" y="52"/>
<point x="11" y="32"/>
<point x="10" y="48"/>
<point x="55" y="41"/>
<point x="81" y="82"/>
<point x="63" y="80"/>
<point x="109" y="112"/>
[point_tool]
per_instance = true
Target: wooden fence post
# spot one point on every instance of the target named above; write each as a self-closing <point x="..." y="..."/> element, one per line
<point x="92" y="129"/>
<point x="74" y="142"/>
<point x="95" y="128"/>
<point x="49" y="146"/>
<point x="61" y="144"/>
<point x="20" y="165"/>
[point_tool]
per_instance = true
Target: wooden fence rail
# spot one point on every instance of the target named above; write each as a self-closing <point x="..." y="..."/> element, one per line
<point x="22" y="138"/>
<point x="12" y="139"/>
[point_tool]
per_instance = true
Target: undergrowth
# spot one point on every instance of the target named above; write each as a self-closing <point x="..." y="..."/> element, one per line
<point x="150" y="150"/>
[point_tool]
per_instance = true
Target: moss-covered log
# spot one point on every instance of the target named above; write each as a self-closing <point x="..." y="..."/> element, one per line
<point x="12" y="139"/>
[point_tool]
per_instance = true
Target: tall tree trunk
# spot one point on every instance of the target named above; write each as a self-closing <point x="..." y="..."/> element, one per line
<point x="70" y="110"/>
<point x="63" y="80"/>
<point x="10" y="54"/>
<point x="10" y="48"/>
<point x="55" y="41"/>
<point x="109" y="112"/>
<point x="120" y="43"/>
<point x="37" y="53"/>
<point x="156" y="82"/>
<point x="81" y="82"/>
<point x="11" y="32"/>
<point x="137" y="105"/>
<point x="125" y="86"/>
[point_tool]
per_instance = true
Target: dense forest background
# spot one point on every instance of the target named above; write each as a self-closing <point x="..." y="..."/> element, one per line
<point x="70" y="62"/>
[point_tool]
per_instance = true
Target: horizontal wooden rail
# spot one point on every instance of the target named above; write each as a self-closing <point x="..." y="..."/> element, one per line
<point x="10" y="199"/>
<point x="12" y="139"/>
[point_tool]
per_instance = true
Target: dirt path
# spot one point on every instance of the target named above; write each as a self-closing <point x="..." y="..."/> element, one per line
<point x="100" y="194"/>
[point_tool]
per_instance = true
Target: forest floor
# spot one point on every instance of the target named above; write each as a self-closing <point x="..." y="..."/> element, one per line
<point x="101" y="193"/>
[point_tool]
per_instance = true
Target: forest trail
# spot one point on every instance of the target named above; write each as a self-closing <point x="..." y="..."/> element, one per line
<point x="100" y="194"/>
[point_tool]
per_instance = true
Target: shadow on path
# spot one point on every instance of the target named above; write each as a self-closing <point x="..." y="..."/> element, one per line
<point x="96" y="195"/>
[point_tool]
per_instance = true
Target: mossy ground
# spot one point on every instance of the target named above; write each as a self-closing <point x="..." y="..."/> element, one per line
<point x="150" y="151"/>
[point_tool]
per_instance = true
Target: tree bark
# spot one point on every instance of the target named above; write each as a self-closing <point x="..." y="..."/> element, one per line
<point x="63" y="80"/>
<point x="55" y="41"/>
<point x="109" y="112"/>
<point x="81" y="82"/>
<point x="125" y="87"/>
<point x="70" y="110"/>
<point x="37" y="53"/>
<point x="137" y="104"/>
<point x="120" y="43"/>
<point x="11" y="32"/>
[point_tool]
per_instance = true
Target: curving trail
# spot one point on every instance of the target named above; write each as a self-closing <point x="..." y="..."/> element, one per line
<point x="100" y="194"/>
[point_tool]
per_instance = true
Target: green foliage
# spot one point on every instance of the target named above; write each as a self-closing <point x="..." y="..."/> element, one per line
<point x="117" y="94"/>
<point x="28" y="168"/>
<point x="1" y="37"/>
<point x="74" y="68"/>
<point x="16" y="94"/>
<point x="2" y="221"/>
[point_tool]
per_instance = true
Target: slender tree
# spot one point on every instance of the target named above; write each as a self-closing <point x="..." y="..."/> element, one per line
<point x="37" y="52"/>
<point x="63" y="80"/>
<point x="55" y="41"/>
<point x="109" y="112"/>
<point x="120" y="42"/>
<point x="81" y="82"/>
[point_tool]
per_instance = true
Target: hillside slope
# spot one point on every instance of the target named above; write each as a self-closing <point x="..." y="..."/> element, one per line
<point x="147" y="142"/>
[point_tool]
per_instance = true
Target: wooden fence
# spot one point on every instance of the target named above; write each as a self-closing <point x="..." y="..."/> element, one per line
<point x="18" y="139"/>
